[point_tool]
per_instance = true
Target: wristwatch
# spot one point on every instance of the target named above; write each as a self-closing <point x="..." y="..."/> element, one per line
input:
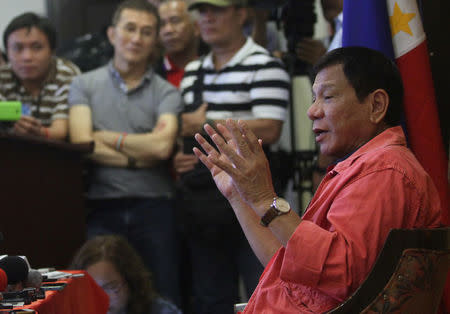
<point x="279" y="207"/>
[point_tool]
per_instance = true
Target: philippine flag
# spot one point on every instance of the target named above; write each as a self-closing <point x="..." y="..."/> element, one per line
<point x="394" y="27"/>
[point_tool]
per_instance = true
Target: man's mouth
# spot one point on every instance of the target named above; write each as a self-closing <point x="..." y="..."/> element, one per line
<point x="320" y="133"/>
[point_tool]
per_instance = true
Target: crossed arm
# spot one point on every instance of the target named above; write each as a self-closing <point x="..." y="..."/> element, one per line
<point x="147" y="148"/>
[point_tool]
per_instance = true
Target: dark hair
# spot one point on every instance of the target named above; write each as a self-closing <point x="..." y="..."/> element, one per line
<point x="138" y="5"/>
<point x="367" y="70"/>
<point x="29" y="20"/>
<point x="116" y="250"/>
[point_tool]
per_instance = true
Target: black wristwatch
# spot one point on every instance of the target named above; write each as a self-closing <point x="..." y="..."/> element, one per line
<point x="279" y="207"/>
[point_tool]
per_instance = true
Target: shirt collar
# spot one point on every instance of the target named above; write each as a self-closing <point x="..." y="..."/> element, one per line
<point x="338" y="20"/>
<point x="248" y="48"/>
<point x="121" y="83"/>
<point x="389" y="137"/>
<point x="169" y="65"/>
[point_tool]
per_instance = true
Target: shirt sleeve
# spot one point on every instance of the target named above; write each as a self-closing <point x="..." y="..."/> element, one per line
<point x="61" y="110"/>
<point x="270" y="91"/>
<point x="77" y="92"/>
<point x="337" y="260"/>
<point x="170" y="100"/>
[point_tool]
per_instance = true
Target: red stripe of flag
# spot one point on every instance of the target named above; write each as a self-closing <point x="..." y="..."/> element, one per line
<point x="422" y="120"/>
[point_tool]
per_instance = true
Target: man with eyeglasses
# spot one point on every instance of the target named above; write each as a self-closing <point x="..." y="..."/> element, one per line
<point x="131" y="115"/>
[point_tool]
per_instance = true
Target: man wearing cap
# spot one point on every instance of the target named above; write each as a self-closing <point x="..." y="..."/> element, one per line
<point x="238" y="80"/>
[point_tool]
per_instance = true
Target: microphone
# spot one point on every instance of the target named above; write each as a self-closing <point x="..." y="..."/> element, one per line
<point x="16" y="269"/>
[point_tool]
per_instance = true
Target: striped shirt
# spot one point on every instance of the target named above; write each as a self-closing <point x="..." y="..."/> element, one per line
<point x="252" y="85"/>
<point x="51" y="104"/>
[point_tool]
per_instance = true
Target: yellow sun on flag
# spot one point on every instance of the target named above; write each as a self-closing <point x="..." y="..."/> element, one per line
<point x="400" y="21"/>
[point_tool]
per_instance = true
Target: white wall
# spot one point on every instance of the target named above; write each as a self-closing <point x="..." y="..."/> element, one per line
<point x="11" y="8"/>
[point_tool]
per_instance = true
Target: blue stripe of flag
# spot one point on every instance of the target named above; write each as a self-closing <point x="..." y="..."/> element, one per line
<point x="366" y="23"/>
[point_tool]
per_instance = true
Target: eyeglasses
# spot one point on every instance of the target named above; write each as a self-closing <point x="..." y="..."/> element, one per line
<point x="113" y="287"/>
<point x="130" y="30"/>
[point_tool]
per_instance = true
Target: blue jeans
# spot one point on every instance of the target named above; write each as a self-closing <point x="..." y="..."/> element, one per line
<point x="149" y="226"/>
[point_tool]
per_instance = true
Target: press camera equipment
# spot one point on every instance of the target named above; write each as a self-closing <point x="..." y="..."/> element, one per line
<point x="297" y="18"/>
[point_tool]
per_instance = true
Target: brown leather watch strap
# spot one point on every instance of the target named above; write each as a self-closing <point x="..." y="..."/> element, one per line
<point x="270" y="215"/>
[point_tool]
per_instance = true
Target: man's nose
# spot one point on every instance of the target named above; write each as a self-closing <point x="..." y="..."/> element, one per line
<point x="27" y="53"/>
<point x="314" y="111"/>
<point x="136" y="36"/>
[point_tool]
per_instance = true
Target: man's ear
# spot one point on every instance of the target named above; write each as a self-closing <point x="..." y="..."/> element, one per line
<point x="379" y="105"/>
<point x="111" y="34"/>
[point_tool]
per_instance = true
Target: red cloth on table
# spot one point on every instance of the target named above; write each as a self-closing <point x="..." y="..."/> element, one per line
<point x="80" y="295"/>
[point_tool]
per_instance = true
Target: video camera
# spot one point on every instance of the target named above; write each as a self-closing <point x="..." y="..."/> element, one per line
<point x="298" y="18"/>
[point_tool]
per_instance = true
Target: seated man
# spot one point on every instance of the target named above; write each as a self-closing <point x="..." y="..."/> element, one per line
<point x="35" y="77"/>
<point x="315" y="262"/>
<point x="131" y="115"/>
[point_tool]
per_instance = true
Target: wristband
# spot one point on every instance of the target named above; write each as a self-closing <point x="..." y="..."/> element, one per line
<point x="123" y="140"/>
<point x="118" y="142"/>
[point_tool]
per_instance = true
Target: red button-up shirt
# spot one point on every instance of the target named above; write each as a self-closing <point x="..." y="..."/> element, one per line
<point x="379" y="187"/>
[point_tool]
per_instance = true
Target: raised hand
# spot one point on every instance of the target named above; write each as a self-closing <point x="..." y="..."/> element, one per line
<point x="243" y="161"/>
<point x="221" y="178"/>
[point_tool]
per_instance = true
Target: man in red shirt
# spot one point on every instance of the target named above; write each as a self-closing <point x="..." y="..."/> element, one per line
<point x="179" y="36"/>
<point x="315" y="262"/>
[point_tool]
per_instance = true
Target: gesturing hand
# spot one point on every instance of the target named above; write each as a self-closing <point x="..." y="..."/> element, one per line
<point x="221" y="178"/>
<point x="241" y="163"/>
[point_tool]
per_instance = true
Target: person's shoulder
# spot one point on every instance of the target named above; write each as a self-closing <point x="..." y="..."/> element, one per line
<point x="67" y="67"/>
<point x="194" y="65"/>
<point x="259" y="55"/>
<point x="162" y="306"/>
<point x="6" y="71"/>
<point x="93" y="76"/>
<point x="392" y="157"/>
<point x="7" y="81"/>
<point x="161" y="84"/>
